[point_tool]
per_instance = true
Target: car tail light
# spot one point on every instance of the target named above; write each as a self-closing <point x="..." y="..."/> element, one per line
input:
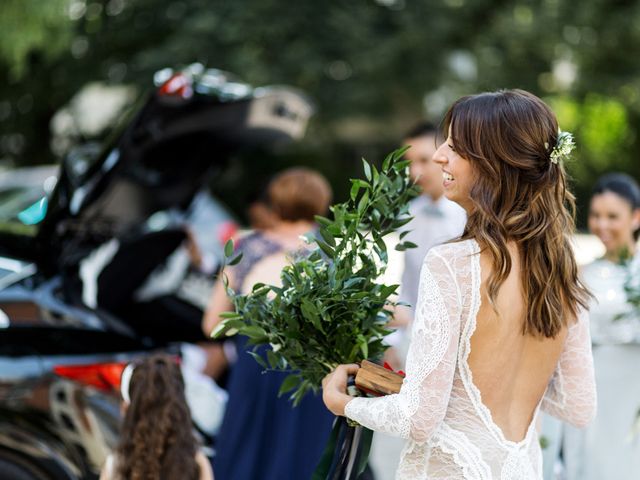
<point x="103" y="376"/>
<point x="177" y="86"/>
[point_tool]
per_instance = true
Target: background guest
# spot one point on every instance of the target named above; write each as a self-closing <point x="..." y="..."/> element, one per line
<point x="262" y="435"/>
<point x="606" y="449"/>
<point x="436" y="219"/>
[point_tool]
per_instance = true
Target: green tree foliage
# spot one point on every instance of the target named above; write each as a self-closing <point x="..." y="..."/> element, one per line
<point x="373" y="67"/>
<point x="32" y="26"/>
<point x="603" y="137"/>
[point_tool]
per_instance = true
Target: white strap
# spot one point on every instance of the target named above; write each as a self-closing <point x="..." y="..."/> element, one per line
<point x="125" y="381"/>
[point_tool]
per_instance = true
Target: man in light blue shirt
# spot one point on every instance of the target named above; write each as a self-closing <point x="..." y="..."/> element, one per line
<point x="436" y="219"/>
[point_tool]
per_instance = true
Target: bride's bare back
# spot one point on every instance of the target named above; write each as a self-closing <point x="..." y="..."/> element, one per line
<point x="511" y="370"/>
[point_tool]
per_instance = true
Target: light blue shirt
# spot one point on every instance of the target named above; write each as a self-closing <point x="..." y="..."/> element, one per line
<point x="434" y="222"/>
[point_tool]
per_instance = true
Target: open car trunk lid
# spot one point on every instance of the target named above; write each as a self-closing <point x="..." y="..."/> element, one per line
<point x="180" y="135"/>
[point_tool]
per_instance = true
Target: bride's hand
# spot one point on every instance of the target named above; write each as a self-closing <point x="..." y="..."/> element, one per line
<point x="334" y="388"/>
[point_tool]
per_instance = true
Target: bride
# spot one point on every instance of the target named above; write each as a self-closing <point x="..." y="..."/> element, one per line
<point x="501" y="328"/>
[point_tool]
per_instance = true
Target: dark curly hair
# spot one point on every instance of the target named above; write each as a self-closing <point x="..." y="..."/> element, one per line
<point x="157" y="441"/>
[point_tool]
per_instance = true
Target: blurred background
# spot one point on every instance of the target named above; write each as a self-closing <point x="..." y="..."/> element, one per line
<point x="68" y="68"/>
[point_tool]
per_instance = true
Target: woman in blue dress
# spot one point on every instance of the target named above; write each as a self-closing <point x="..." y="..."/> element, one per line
<point x="262" y="435"/>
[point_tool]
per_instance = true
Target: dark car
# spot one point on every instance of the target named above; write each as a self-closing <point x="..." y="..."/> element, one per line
<point x="66" y="327"/>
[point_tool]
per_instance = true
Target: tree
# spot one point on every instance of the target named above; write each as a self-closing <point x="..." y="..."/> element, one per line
<point x="372" y="67"/>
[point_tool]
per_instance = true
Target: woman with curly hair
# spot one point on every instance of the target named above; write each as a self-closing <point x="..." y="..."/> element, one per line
<point x="157" y="441"/>
<point x="501" y="328"/>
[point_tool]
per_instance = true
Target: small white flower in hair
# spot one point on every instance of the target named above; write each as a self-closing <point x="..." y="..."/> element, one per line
<point x="564" y="147"/>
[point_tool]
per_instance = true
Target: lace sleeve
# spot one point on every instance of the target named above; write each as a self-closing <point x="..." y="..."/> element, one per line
<point x="571" y="394"/>
<point x="420" y="406"/>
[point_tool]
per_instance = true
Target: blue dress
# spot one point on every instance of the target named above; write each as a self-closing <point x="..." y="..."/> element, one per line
<point x="264" y="437"/>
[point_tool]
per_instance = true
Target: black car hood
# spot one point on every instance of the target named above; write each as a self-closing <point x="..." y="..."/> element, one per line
<point x="160" y="158"/>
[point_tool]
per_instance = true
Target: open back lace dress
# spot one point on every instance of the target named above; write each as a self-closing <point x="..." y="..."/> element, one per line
<point x="450" y="432"/>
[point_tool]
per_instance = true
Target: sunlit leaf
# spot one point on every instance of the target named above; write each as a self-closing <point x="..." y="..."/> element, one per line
<point x="228" y="248"/>
<point x="367" y="169"/>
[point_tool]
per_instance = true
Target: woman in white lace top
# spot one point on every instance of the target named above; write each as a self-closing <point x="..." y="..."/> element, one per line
<point x="501" y="329"/>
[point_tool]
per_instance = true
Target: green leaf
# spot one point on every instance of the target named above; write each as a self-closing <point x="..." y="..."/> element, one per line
<point x="289" y="383"/>
<point x="355" y="188"/>
<point x="308" y="308"/>
<point x="401" y="222"/>
<point x="363" y="203"/>
<point x="259" y="359"/>
<point x="353" y="281"/>
<point x="273" y="359"/>
<point x="254" y="332"/>
<point x="235" y="260"/>
<point x="228" y="248"/>
<point x="402" y="165"/>
<point x="388" y="290"/>
<point x="226" y="326"/>
<point x="364" y="347"/>
<point x="399" y="153"/>
<point x="387" y="162"/>
<point x="220" y="330"/>
<point x="324" y="233"/>
<point x="325" y="248"/>
<point x="335" y="230"/>
<point x="310" y="312"/>
<point x="299" y="393"/>
<point x="323" y="220"/>
<point x="367" y="169"/>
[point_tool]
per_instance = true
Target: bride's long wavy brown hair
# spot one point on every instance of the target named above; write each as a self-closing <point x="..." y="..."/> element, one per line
<point x="520" y="195"/>
<point x="157" y="441"/>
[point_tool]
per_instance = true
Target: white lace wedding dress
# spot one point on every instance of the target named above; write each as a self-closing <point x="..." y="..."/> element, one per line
<point x="439" y="410"/>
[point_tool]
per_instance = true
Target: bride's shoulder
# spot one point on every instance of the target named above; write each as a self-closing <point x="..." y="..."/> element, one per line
<point x="453" y="251"/>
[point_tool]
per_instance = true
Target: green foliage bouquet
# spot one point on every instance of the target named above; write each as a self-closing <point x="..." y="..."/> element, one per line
<point x="330" y="309"/>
